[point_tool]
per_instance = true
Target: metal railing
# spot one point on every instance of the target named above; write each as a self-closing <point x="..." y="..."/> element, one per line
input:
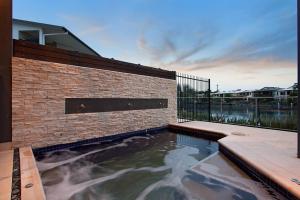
<point x="194" y="103"/>
<point x="192" y="93"/>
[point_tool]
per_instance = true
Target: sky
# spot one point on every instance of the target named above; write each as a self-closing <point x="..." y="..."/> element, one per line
<point x="238" y="44"/>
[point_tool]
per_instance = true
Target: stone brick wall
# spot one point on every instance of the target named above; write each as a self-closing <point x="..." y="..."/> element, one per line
<point x="38" y="102"/>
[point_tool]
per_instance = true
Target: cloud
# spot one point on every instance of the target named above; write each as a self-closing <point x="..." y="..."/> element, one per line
<point x="201" y="44"/>
<point x="89" y="29"/>
<point x="268" y="42"/>
<point x="274" y="50"/>
<point x="170" y="47"/>
<point x="263" y="44"/>
<point x="262" y="51"/>
<point x="245" y="66"/>
<point x="164" y="48"/>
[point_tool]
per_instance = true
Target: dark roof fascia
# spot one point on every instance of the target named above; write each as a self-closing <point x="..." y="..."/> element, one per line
<point x="38" y="23"/>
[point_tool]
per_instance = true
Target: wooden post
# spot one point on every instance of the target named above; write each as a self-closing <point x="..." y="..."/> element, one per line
<point x="5" y="70"/>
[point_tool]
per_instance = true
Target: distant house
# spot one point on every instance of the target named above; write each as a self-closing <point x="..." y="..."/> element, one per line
<point x="275" y="92"/>
<point x="51" y="35"/>
<point x="234" y="93"/>
<point x="286" y="92"/>
<point x="266" y="92"/>
<point x="244" y="93"/>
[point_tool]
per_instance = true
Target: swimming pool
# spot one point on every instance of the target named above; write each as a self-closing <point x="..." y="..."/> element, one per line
<point x="152" y="166"/>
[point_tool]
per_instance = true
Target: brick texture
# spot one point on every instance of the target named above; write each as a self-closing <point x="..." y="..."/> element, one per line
<point x="38" y="102"/>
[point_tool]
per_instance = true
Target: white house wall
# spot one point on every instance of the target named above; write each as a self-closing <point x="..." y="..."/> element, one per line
<point x="21" y="27"/>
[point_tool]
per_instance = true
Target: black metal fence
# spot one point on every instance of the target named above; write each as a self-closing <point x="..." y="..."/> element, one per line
<point x="195" y="102"/>
<point x="267" y="112"/>
<point x="193" y="98"/>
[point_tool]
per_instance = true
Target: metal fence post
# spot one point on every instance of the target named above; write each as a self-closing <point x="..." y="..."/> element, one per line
<point x="221" y="109"/>
<point x="209" y="104"/>
<point x="256" y="112"/>
<point x="298" y="106"/>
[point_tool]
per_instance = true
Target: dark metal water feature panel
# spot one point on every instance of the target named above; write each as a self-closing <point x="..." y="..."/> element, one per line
<point x="93" y="105"/>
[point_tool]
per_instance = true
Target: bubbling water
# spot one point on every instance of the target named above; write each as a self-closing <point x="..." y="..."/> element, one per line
<point x="150" y="167"/>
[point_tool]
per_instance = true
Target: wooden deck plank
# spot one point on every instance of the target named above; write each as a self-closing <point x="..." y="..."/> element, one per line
<point x="5" y="188"/>
<point x="5" y="146"/>
<point x="6" y="166"/>
<point x="272" y="152"/>
<point x="30" y="176"/>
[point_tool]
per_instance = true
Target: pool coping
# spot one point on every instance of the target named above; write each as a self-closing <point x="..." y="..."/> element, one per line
<point x="247" y="166"/>
<point x="6" y="164"/>
<point x="31" y="182"/>
<point x="255" y="173"/>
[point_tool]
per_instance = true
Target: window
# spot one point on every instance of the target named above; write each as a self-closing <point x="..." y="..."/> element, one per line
<point x="51" y="43"/>
<point x="31" y="36"/>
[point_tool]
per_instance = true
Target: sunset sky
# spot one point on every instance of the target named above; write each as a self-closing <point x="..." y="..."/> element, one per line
<point x="237" y="43"/>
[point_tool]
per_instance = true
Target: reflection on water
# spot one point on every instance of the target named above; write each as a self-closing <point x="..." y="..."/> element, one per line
<point x="249" y="112"/>
<point x="151" y="167"/>
<point x="254" y="111"/>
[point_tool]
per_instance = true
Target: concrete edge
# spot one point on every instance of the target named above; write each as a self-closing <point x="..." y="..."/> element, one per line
<point x="206" y="134"/>
<point x="251" y="169"/>
<point x="6" y="174"/>
<point x="257" y="173"/>
<point x="31" y="183"/>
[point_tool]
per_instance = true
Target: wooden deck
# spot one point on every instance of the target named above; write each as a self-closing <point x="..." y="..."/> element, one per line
<point x="6" y="166"/>
<point x="30" y="176"/>
<point x="272" y="153"/>
<point x="31" y="185"/>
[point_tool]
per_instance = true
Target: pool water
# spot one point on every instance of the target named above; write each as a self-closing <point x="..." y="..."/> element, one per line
<point x="150" y="167"/>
